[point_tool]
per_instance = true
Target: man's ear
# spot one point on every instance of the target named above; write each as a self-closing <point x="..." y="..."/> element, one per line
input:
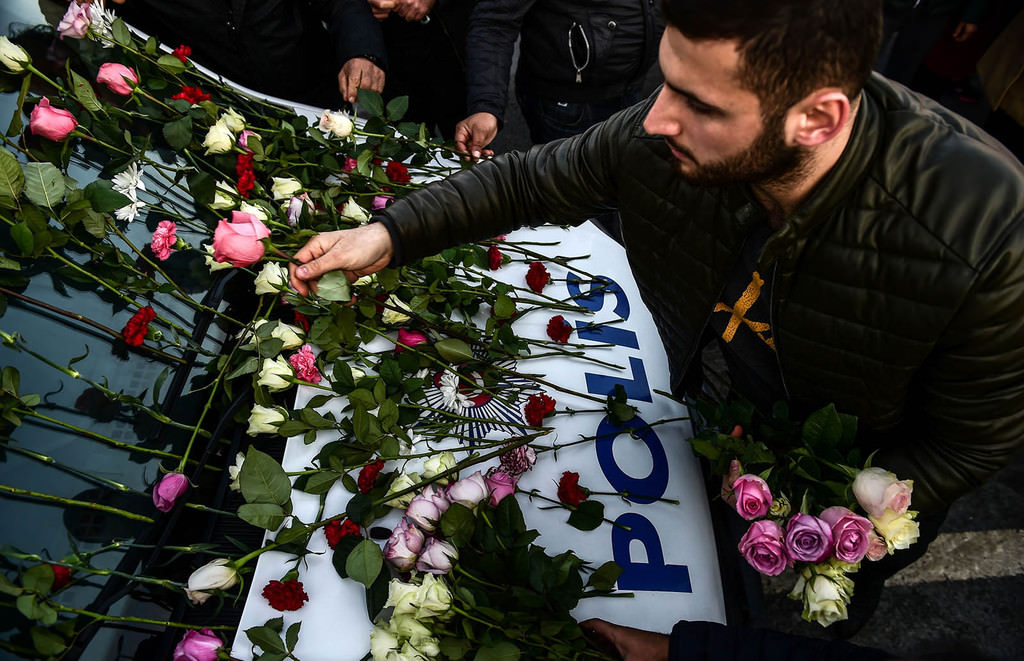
<point x="818" y="118"/>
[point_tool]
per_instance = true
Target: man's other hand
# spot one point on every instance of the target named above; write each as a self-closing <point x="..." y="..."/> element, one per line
<point x="964" y="31"/>
<point x="476" y="132"/>
<point x="413" y="10"/>
<point x="359" y="72"/>
<point x="631" y="644"/>
<point x="356" y="252"/>
<point x="381" y="8"/>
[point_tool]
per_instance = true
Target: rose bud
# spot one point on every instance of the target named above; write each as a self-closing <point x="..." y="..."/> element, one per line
<point x="214" y="575"/>
<point x="383" y="643"/>
<point x="899" y="530"/>
<point x="404" y="546"/>
<point x="51" y="123"/>
<point x="409" y="338"/>
<point x="273" y="375"/>
<point x="170" y="488"/>
<point x="808" y="538"/>
<point x="199" y="645"/>
<point x="500" y="485"/>
<point x="753" y="498"/>
<point x="265" y="419"/>
<point x="877" y="548"/>
<point x="434" y="597"/>
<point x="403" y="597"/>
<point x="219" y="139"/>
<point x="13" y="57"/>
<point x="437" y="557"/>
<point x="76" y="21"/>
<point x="437" y="464"/>
<point x="877" y="489"/>
<point x="468" y="491"/>
<point x="401" y="482"/>
<point x="849" y="533"/>
<point x="337" y="123"/>
<point x="764" y="548"/>
<point x="285" y="187"/>
<point x="116" y="77"/>
<point x="238" y="241"/>
<point x="271" y="279"/>
<point x="425" y="509"/>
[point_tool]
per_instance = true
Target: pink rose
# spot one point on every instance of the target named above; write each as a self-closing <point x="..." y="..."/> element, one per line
<point x="76" y="21"/>
<point x="303" y="362"/>
<point x="404" y="546"/>
<point x="238" y="241"/>
<point x="169" y="489"/>
<point x="500" y="485"/>
<point x="808" y="538"/>
<point x="243" y="139"/>
<point x="164" y="239"/>
<point x="380" y="201"/>
<point x="426" y="508"/>
<point x="876" y="489"/>
<point x="51" y="123"/>
<point x="409" y="338"/>
<point x="764" y="548"/>
<point x="753" y="498"/>
<point x="295" y="205"/>
<point x="116" y="76"/>
<point x="350" y="164"/>
<point x="877" y="548"/>
<point x="199" y="645"/>
<point x="468" y="491"/>
<point x="438" y="557"/>
<point x="849" y="533"/>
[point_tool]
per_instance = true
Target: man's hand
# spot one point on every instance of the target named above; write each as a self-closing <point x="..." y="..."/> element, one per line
<point x="476" y="132"/>
<point x="964" y="31"/>
<point x="413" y="10"/>
<point x="381" y="8"/>
<point x="359" y="72"/>
<point x="632" y="644"/>
<point x="356" y="252"/>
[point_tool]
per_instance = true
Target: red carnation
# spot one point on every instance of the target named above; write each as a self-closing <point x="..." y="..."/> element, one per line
<point x="537" y="277"/>
<point x="336" y="529"/>
<point x="368" y="475"/>
<point x="61" y="576"/>
<point x="192" y="94"/>
<point x="397" y="172"/>
<point x="135" y="330"/>
<point x="537" y="408"/>
<point x="494" y="258"/>
<point x="569" y="490"/>
<point x="285" y="595"/>
<point x="246" y="177"/>
<point x="182" y="52"/>
<point x="559" y="329"/>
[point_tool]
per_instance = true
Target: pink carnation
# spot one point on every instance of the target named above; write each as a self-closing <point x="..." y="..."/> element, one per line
<point x="304" y="363"/>
<point x="164" y="239"/>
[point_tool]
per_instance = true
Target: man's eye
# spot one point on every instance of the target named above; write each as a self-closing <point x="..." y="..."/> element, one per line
<point x="700" y="108"/>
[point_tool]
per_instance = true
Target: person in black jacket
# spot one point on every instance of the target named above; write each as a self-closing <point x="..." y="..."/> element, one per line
<point x="579" y="62"/>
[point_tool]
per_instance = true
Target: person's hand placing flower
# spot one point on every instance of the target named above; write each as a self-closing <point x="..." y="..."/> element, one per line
<point x="631" y="644"/>
<point x="356" y="252"/>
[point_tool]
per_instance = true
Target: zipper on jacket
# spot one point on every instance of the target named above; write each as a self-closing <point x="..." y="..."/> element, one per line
<point x="775" y="335"/>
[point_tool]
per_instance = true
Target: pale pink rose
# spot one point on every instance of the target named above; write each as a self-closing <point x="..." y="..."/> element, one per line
<point x="116" y="77"/>
<point x="49" y="122"/>
<point x="380" y="201"/>
<point x="876" y="489"/>
<point x="199" y="645"/>
<point x="849" y="533"/>
<point x="808" y="538"/>
<point x="238" y="241"/>
<point x="409" y="338"/>
<point x="164" y="239"/>
<point x="753" y="498"/>
<point x="76" y="21"/>
<point x="350" y="164"/>
<point x="437" y="557"/>
<point x="426" y="508"/>
<point x="295" y="205"/>
<point x="468" y="491"/>
<point x="243" y="139"/>
<point x="404" y="546"/>
<point x="764" y="548"/>
<point x="168" y="490"/>
<point x="500" y="485"/>
<point x="877" y="548"/>
<point x="303" y="362"/>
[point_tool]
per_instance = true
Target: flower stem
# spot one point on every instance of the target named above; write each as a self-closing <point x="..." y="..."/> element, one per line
<point x="14" y="491"/>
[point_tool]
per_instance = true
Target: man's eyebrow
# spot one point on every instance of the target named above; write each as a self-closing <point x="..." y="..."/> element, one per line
<point x="693" y="98"/>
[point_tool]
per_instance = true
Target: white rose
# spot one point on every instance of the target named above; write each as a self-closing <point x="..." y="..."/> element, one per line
<point x="407" y="626"/>
<point x="219" y="139"/>
<point x="272" y="279"/>
<point x="402" y="481"/>
<point x="288" y="334"/>
<point x="212" y="263"/>
<point x="402" y="596"/>
<point x="899" y="530"/>
<point x="824" y="601"/>
<point x="12" y="56"/>
<point x="437" y="464"/>
<point x="408" y="653"/>
<point x="876" y="489"/>
<point x="235" y="471"/>
<point x="382" y="642"/>
<point x="224" y="197"/>
<point x="337" y="123"/>
<point x="265" y="419"/>
<point x="285" y="187"/>
<point x="273" y="374"/>
<point x="255" y="210"/>
<point x="352" y="210"/>
<point x="393" y="316"/>
<point x="233" y="121"/>
<point x="434" y="597"/>
<point x="214" y="575"/>
<point x="428" y="646"/>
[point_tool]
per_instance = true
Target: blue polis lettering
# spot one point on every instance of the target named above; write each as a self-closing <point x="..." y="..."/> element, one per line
<point x="653" y="574"/>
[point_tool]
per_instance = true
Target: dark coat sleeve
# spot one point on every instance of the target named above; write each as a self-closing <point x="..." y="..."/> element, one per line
<point x="490" y="42"/>
<point x="353" y="29"/>
<point x="708" y="641"/>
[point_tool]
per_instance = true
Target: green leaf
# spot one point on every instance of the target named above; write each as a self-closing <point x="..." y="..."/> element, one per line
<point x="342" y="551"/>
<point x="334" y="286"/>
<point x="22" y="236"/>
<point x="587" y="515"/>
<point x="29" y="607"/>
<point x="266" y="638"/>
<point x="178" y="133"/>
<point x="455" y="648"/>
<point x="291" y="637"/>
<point x="263" y="480"/>
<point x="14" y="128"/>
<point x="12" y="179"/>
<point x="251" y="364"/>
<point x="262" y="515"/>
<point x="94" y="223"/>
<point x="6" y="587"/>
<point x="83" y="91"/>
<point x="44" y="184"/>
<point x="122" y="35"/>
<point x="365" y="562"/>
<point x="38" y="579"/>
<point x="504" y="307"/>
<point x="457" y="524"/>
<point x="503" y="651"/>
<point x="295" y="530"/>
<point x="47" y="641"/>
<point x="605" y="576"/>
<point x="170" y="64"/>
<point x="103" y="197"/>
<point x="397" y="108"/>
<point x="371" y="101"/>
<point x="454" y="350"/>
<point x="823" y="428"/>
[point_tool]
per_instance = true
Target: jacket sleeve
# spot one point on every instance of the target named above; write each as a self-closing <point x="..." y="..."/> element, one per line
<point x="490" y="42"/>
<point x="562" y="182"/>
<point x="354" y="30"/>
<point x="708" y="641"/>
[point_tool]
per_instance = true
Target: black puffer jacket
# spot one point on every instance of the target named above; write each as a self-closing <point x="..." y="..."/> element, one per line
<point x="899" y="288"/>
<point x="621" y="37"/>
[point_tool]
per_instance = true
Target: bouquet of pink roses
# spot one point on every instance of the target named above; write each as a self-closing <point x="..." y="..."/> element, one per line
<point x="824" y="539"/>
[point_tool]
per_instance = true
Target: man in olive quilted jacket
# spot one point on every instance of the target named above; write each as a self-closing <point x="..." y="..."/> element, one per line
<point x="874" y="239"/>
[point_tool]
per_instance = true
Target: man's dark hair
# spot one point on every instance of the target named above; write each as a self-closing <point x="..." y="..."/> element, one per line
<point x="788" y="48"/>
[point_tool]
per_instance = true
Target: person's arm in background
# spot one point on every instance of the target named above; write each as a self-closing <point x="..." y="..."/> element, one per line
<point x="970" y="21"/>
<point x="490" y="43"/>
<point x="358" y="43"/>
